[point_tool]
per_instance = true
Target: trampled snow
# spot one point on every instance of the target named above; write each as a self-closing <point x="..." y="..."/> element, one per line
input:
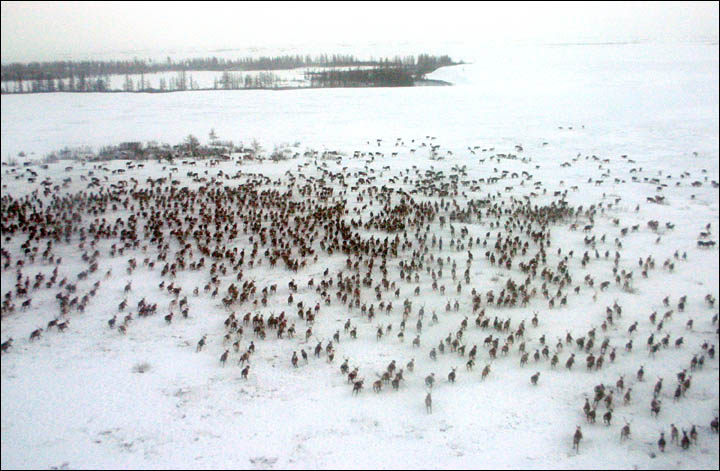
<point x="75" y="399"/>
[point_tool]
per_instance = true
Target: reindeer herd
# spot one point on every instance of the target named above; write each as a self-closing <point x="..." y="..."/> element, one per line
<point x="372" y="244"/>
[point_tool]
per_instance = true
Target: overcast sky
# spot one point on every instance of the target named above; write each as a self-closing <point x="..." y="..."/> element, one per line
<point x="59" y="30"/>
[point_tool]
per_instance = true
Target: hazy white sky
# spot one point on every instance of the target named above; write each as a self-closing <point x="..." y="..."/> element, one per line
<point x="58" y="30"/>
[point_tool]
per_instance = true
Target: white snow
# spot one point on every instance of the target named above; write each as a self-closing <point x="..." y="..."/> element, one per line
<point x="73" y="399"/>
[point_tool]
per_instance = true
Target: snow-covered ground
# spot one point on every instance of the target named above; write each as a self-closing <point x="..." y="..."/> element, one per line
<point x="656" y="99"/>
<point x="75" y="399"/>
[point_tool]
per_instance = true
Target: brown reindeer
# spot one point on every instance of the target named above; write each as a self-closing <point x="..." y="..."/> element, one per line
<point x="625" y="432"/>
<point x="607" y="417"/>
<point x="655" y="407"/>
<point x="534" y="378"/>
<point x="590" y="416"/>
<point x="201" y="343"/>
<point x="485" y="372"/>
<point x="576" y="439"/>
<point x="430" y="380"/>
<point x="6" y="345"/>
<point x="35" y="334"/>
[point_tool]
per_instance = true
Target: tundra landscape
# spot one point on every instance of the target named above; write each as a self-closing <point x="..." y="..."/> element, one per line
<point x="516" y="271"/>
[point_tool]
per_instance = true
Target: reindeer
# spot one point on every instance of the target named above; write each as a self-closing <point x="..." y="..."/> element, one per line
<point x="655" y="407"/>
<point x="6" y="345"/>
<point x="485" y="372"/>
<point x="627" y="397"/>
<point x="590" y="416"/>
<point x="534" y="378"/>
<point x="620" y="384"/>
<point x="685" y="442"/>
<point x="607" y="417"/>
<point x="576" y="439"/>
<point x="430" y="380"/>
<point x="658" y="387"/>
<point x="570" y="361"/>
<point x="352" y="375"/>
<point x="625" y="432"/>
<point x="35" y="334"/>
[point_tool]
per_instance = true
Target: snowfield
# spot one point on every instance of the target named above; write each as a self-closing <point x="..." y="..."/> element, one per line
<point x="601" y="128"/>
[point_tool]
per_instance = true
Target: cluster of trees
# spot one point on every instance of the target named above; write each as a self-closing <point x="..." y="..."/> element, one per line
<point x="230" y="81"/>
<point x="374" y="77"/>
<point x="82" y="83"/>
<point x="180" y="82"/>
<point x="94" y="76"/>
<point x="426" y="63"/>
<point x="398" y="72"/>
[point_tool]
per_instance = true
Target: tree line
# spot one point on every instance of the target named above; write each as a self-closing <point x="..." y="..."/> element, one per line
<point x="94" y="76"/>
